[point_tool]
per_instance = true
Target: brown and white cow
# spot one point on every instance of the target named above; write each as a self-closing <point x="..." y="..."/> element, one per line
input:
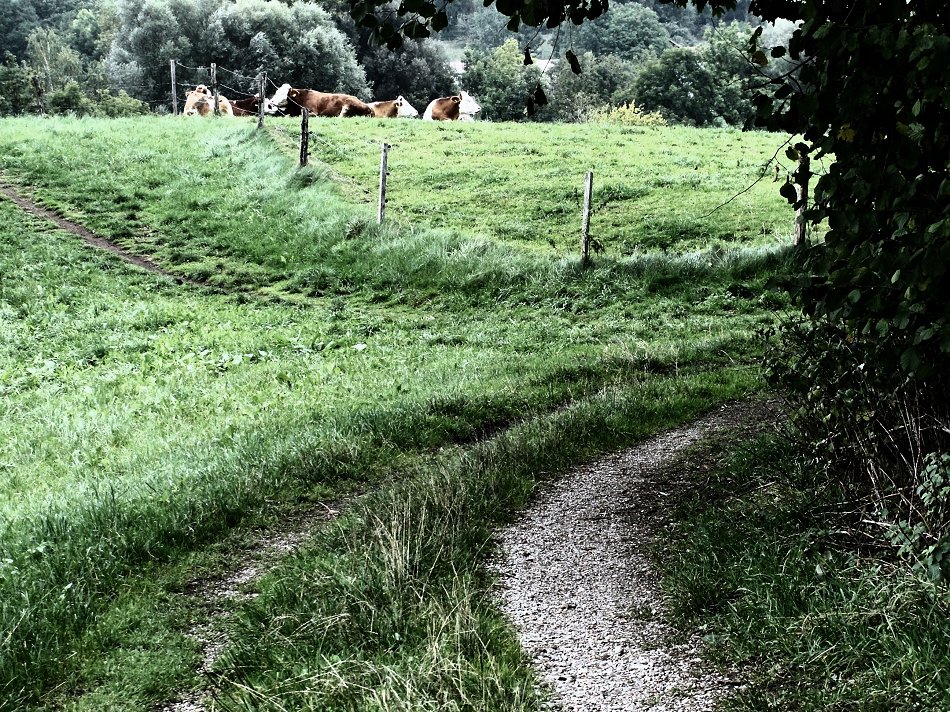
<point x="452" y="108"/>
<point x="200" y="102"/>
<point x="224" y="105"/>
<point x="249" y="106"/>
<point x="318" y="103"/>
<point x="197" y="95"/>
<point x="393" y="108"/>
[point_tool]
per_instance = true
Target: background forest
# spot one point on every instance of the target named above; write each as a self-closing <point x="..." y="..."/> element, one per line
<point x="111" y="58"/>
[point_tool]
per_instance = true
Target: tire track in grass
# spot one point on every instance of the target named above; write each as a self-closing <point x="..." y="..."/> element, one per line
<point x="218" y="596"/>
<point x="87" y="235"/>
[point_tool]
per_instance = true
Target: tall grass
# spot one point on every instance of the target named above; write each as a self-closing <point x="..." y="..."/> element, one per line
<point x="811" y="618"/>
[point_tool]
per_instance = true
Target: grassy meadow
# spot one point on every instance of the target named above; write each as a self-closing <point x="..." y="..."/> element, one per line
<point x="655" y="189"/>
<point x="759" y="559"/>
<point x="435" y="367"/>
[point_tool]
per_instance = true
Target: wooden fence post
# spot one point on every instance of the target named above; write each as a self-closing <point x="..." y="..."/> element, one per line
<point x="585" y="221"/>
<point x="304" y="136"/>
<point x="171" y="65"/>
<point x="383" y="172"/>
<point x="214" y="88"/>
<point x="260" y="103"/>
<point x="802" y="175"/>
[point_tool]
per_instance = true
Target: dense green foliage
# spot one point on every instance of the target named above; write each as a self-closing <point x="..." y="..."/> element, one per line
<point x="603" y="82"/>
<point x="630" y="31"/>
<point x="879" y="271"/>
<point x="419" y="71"/>
<point x="680" y="85"/>
<point x="868" y="371"/>
<point x="298" y="44"/>
<point x="83" y="55"/>
<point x="501" y="81"/>
<point x="144" y="419"/>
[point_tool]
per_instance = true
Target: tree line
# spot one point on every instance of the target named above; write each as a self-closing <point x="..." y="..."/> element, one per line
<point x="110" y="57"/>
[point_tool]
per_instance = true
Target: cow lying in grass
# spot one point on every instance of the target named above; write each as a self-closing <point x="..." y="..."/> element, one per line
<point x="251" y="106"/>
<point x="461" y="107"/>
<point x="200" y="102"/>
<point x="393" y="108"/>
<point x="292" y="101"/>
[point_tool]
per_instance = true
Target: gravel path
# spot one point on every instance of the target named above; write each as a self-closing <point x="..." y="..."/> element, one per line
<point x="576" y="580"/>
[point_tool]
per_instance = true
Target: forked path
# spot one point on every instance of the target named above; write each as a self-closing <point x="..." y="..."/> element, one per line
<point x="576" y="580"/>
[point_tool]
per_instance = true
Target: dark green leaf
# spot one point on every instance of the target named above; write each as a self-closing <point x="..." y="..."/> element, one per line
<point x="910" y="360"/>
<point x="572" y="60"/>
<point x="784" y="91"/>
<point x="787" y="191"/>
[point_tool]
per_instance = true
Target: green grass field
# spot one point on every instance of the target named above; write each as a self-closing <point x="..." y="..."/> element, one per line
<point x="654" y="188"/>
<point x="440" y="365"/>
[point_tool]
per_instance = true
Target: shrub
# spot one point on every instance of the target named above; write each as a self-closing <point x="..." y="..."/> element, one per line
<point x="880" y="435"/>
<point x="70" y="100"/>
<point x="119" y="105"/>
<point x="626" y="115"/>
<point x="16" y="89"/>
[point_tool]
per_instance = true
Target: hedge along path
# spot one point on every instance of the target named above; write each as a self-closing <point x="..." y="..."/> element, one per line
<point x="218" y="596"/>
<point x="89" y="237"/>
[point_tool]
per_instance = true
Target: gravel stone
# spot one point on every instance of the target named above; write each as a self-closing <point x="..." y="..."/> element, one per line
<point x="576" y="580"/>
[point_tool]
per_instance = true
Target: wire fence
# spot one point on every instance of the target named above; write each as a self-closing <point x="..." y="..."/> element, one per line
<point x="240" y="85"/>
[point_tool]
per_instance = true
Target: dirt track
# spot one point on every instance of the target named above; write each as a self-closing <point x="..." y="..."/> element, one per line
<point x="87" y="235"/>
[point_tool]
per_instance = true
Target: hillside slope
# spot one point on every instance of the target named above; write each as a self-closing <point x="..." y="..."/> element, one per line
<point x="318" y="355"/>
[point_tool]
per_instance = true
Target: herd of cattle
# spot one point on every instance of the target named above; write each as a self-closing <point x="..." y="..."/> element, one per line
<point x="288" y="101"/>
